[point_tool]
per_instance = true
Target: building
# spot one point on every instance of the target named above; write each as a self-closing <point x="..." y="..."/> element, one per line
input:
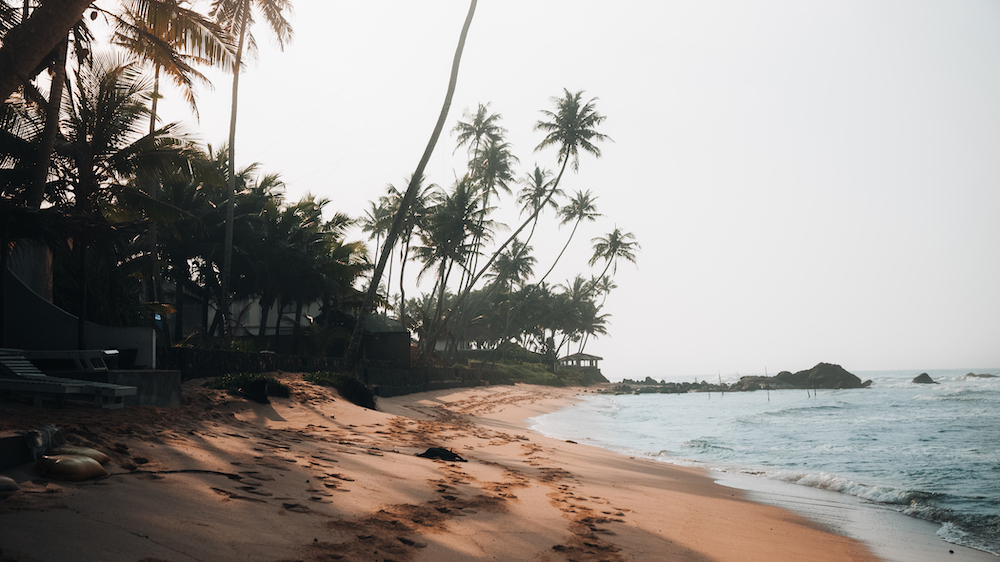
<point x="581" y="362"/>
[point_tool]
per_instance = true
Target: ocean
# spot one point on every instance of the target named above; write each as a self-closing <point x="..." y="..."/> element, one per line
<point x="930" y="452"/>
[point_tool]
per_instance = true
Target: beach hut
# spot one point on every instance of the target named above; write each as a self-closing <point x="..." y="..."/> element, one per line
<point x="581" y="362"/>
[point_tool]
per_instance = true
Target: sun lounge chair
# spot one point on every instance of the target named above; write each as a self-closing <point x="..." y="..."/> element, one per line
<point x="18" y="374"/>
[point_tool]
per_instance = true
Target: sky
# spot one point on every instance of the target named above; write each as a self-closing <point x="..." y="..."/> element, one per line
<point x="808" y="181"/>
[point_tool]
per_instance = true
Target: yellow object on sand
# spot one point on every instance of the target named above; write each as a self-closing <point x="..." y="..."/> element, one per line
<point x="74" y="468"/>
<point x="85" y="451"/>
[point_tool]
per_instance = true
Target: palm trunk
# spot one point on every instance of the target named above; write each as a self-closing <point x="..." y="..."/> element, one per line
<point x="179" y="315"/>
<point x="27" y="45"/>
<point x="411" y="193"/>
<point x="297" y="327"/>
<point x="265" y="307"/>
<point x="402" y="289"/>
<point x="81" y="320"/>
<point x="40" y="176"/>
<point x="154" y="188"/>
<point x="562" y="251"/>
<point x="277" y="324"/>
<point x="227" y="249"/>
<point x="4" y="254"/>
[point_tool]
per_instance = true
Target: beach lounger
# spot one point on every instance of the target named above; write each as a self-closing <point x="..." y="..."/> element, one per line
<point x="18" y="374"/>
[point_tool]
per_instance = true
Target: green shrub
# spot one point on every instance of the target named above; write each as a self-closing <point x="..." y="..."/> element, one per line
<point x="348" y="385"/>
<point x="530" y="373"/>
<point x="236" y="382"/>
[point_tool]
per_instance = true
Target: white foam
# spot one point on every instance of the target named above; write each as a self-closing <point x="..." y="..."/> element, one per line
<point x="823" y="481"/>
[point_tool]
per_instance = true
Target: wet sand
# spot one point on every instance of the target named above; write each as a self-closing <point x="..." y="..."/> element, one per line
<point x="315" y="478"/>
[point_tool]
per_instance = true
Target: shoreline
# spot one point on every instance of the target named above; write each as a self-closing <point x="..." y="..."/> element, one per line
<point x="313" y="478"/>
<point x="891" y="535"/>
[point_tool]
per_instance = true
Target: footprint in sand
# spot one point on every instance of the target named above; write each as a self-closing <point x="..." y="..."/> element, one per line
<point x="296" y="507"/>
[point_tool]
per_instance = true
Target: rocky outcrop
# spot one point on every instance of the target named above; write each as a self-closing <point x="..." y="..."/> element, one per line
<point x="924" y="378"/>
<point x="975" y="376"/>
<point x="823" y="375"/>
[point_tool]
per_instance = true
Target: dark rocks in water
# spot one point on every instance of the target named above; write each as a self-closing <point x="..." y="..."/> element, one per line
<point x="975" y="376"/>
<point x="924" y="378"/>
<point x="823" y="375"/>
<point x="441" y="453"/>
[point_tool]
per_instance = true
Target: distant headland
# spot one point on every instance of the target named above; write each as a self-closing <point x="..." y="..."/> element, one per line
<point x="823" y="375"/>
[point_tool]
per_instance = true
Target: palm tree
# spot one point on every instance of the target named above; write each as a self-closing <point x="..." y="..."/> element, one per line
<point x="414" y="215"/>
<point x="445" y="234"/>
<point x="581" y="207"/>
<point x="512" y="268"/>
<point x="616" y="245"/>
<point x="82" y="39"/>
<point x="236" y="17"/>
<point x="478" y="129"/>
<point x="377" y="220"/>
<point x="105" y="150"/>
<point x="411" y="191"/>
<point x="536" y="190"/>
<point x="492" y="168"/>
<point x="173" y="39"/>
<point x="573" y="128"/>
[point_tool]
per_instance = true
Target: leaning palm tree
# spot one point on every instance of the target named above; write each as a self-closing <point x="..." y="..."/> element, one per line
<point x="616" y="245"/>
<point x="579" y="209"/>
<point x="411" y="192"/>
<point x="236" y="17"/>
<point x="27" y="45"/>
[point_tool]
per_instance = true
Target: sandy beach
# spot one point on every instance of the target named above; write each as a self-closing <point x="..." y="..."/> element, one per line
<point x="315" y="478"/>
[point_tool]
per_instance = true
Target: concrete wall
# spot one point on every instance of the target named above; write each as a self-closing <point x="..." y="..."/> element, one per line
<point x="34" y="323"/>
<point x="153" y="388"/>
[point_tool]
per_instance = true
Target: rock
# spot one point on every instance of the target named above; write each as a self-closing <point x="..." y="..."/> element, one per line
<point x="975" y="376"/>
<point x="441" y="453"/>
<point x="823" y="375"/>
<point x="924" y="378"/>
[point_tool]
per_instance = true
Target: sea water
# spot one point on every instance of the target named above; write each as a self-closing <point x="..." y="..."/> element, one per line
<point x="930" y="451"/>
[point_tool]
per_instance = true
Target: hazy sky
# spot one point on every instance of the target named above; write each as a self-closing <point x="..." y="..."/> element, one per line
<point x="809" y="181"/>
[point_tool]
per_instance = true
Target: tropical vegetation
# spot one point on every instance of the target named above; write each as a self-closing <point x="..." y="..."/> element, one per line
<point x="147" y="227"/>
